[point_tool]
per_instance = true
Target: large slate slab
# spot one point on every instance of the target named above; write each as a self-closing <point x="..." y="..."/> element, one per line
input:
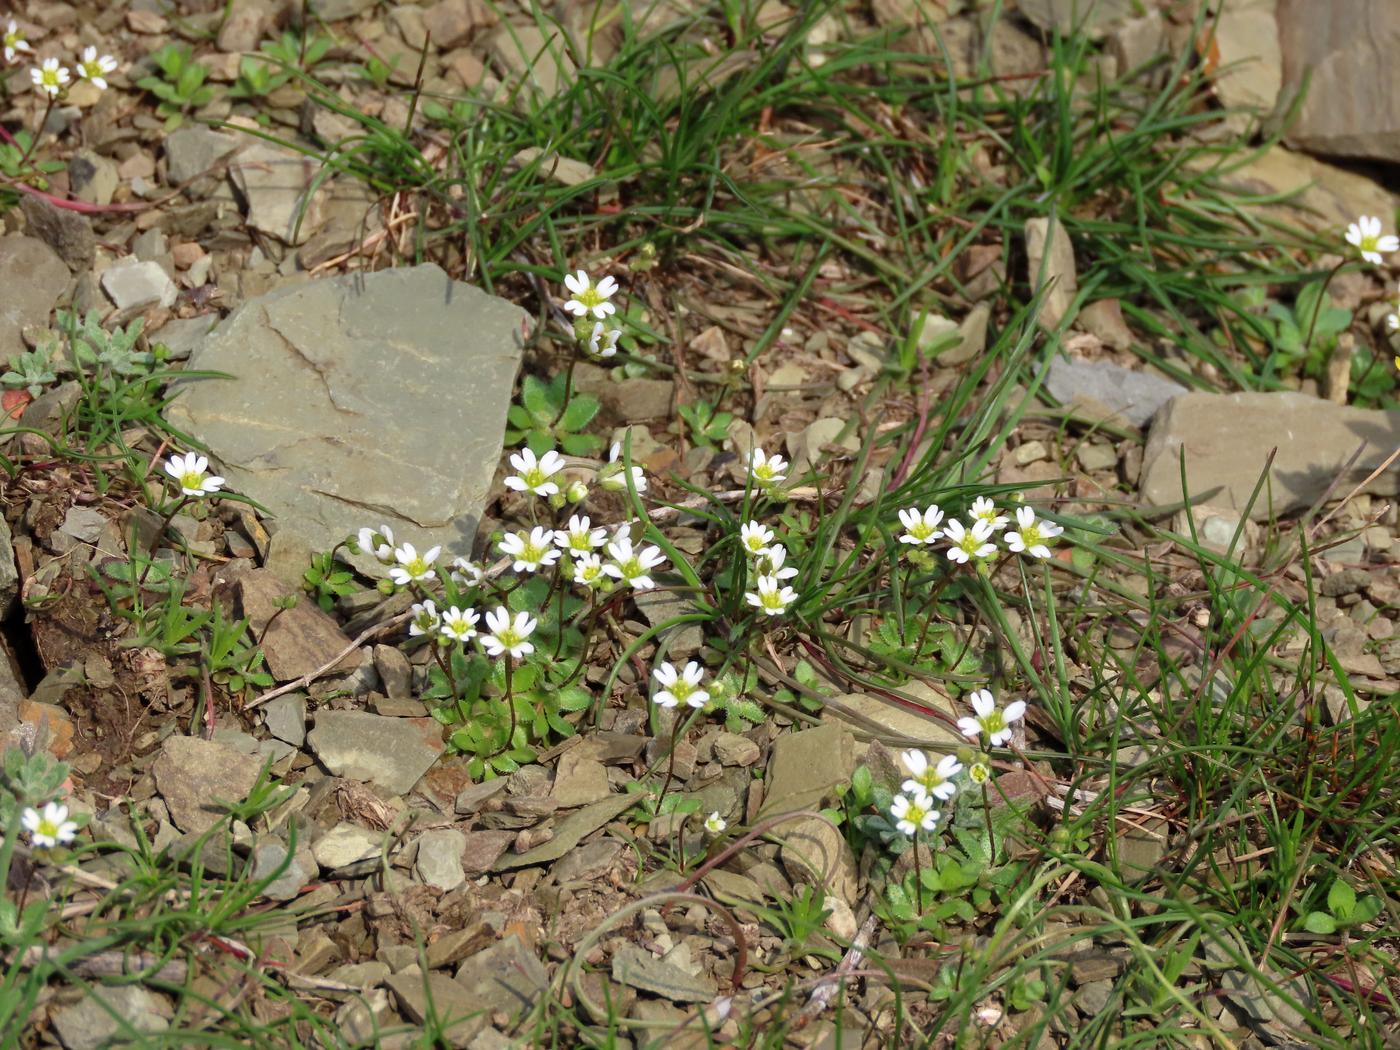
<point x="32" y="278"/>
<point x="1227" y="438"/>
<point x="361" y="400"/>
<point x="390" y="752"/>
<point x="1102" y="390"/>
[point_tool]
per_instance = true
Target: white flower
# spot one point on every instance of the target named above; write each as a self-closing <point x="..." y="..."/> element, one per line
<point x="50" y="78"/>
<point x="613" y="479"/>
<point x="633" y="566"/>
<point x="715" y="824"/>
<point x="531" y="550"/>
<point x="991" y="720"/>
<point x="913" y="815"/>
<point x="680" y="688"/>
<point x="603" y="341"/>
<point x="979" y="772"/>
<point x="534" y="475"/>
<point x="467" y="573"/>
<point x="459" y="624"/>
<point x="770" y="563"/>
<point x="921" y="528"/>
<point x="1031" y="536"/>
<point x="508" y="636"/>
<point x="1365" y="236"/>
<point x="589" y="297"/>
<point x="424" y="619"/>
<point x="580" y="537"/>
<point x="766" y="470"/>
<point x="94" y="69"/>
<point x="929" y="779"/>
<point x="380" y="544"/>
<point x="969" y="543"/>
<point x="49" y="828"/>
<point x="14" y="41"/>
<point x="412" y="566"/>
<point x="588" y="570"/>
<point x="191" y="472"/>
<point x="983" y="509"/>
<point x="755" y="538"/>
<point x="771" y="596"/>
<point x="1392" y="321"/>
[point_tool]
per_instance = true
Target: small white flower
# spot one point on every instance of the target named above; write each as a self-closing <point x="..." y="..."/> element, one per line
<point x="979" y="772"/>
<point x="913" y="815"/>
<point x="983" y="509"/>
<point x="423" y="619"/>
<point x="770" y="563"/>
<point x="94" y="69"/>
<point x="467" y="573"/>
<point x="459" y="624"/>
<point x="588" y="570"/>
<point x="603" y="341"/>
<point x="680" y="688"/>
<point x="530" y="550"/>
<point x="413" y="567"/>
<point x="930" y="779"/>
<point x="535" y="474"/>
<point x="921" y="528"/>
<point x="49" y="828"/>
<point x="191" y="472"/>
<point x="1031" y="537"/>
<point x="766" y="471"/>
<point x="755" y="538"/>
<point x="580" y="537"/>
<point x="14" y="41"/>
<point x="991" y="720"/>
<point x="771" y="596"/>
<point x="633" y="567"/>
<point x="612" y="478"/>
<point x="50" y="78"/>
<point x="379" y="544"/>
<point x="589" y="297"/>
<point x="969" y="543"/>
<point x="507" y="635"/>
<point x="715" y="824"/>
<point x="1365" y="236"/>
<point x="1392" y="320"/>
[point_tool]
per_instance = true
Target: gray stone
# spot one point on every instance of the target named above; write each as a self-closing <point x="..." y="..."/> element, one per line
<point x="569" y="831"/>
<point x="93" y="177"/>
<point x="638" y="968"/>
<point x="67" y="232"/>
<point x="394" y="671"/>
<point x="1345" y="51"/>
<point x="243" y="26"/>
<point x="1050" y="266"/>
<point x="180" y="335"/>
<point x="320" y="430"/>
<point x="297" y="640"/>
<point x="439" y="998"/>
<point x="806" y="768"/>
<point x="83" y="523"/>
<point x="110" y="1014"/>
<point x="1247" y="51"/>
<point x="9" y="571"/>
<point x="335" y="10"/>
<point x="285" y="718"/>
<point x="1102" y="390"/>
<point x="33" y="278"/>
<point x="1092" y="17"/>
<point x="731" y="749"/>
<point x="816" y="852"/>
<point x="439" y="860"/>
<point x="505" y="977"/>
<point x="346" y="844"/>
<point x="590" y="860"/>
<point x="194" y="150"/>
<point x="1226" y="438"/>
<point x="1304" y="190"/>
<point x="452" y="22"/>
<point x="392" y="753"/>
<point x="890" y="719"/>
<point x="484" y="848"/>
<point x="131" y="283"/>
<point x="198" y="779"/>
<point x="579" y="780"/>
<point x="269" y="857"/>
<point x="276" y="185"/>
<point x="524" y="51"/>
<point x="659" y="606"/>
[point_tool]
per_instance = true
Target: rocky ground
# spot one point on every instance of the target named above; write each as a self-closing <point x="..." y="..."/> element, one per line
<point x="328" y="341"/>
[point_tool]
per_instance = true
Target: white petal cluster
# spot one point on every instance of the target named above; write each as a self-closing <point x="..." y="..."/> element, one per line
<point x="989" y="720"/>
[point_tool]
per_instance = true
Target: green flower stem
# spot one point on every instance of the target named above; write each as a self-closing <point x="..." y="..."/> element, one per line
<point x="510" y="705"/>
<point x="918" y="875"/>
<point x="155" y="541"/>
<point x="1317" y="306"/>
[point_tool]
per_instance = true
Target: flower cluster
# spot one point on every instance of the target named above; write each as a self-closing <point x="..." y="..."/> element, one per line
<point x="1365" y="236"/>
<point x="506" y="634"/>
<point x="50" y="76"/>
<point x="50" y="826"/>
<point x="768" y="560"/>
<point x="590" y="303"/>
<point x="990" y="721"/>
<point x="767" y="472"/>
<point x="974" y="541"/>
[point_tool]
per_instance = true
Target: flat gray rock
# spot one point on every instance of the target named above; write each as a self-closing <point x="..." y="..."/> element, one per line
<point x="390" y="752"/>
<point x="439" y="860"/>
<point x="1227" y="438"/>
<point x="199" y="779"/>
<point x="1101" y="390"/>
<point x="361" y="400"/>
<point x="806" y="768"/>
<point x="131" y="283"/>
<point x="638" y="968"/>
<point x="124" y="1010"/>
<point x="33" y="278"/>
<point x="195" y="149"/>
<point x="1069" y="16"/>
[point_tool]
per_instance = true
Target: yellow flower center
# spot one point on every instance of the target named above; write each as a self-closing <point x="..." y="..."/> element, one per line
<point x="191" y="479"/>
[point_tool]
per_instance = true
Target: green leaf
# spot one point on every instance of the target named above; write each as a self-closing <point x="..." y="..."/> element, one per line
<point x="1367" y="908"/>
<point x="580" y="444"/>
<point x="1341" y="900"/>
<point x="534" y="395"/>
<point x="862" y="786"/>
<point x="1320" y="922"/>
<point x="582" y="408"/>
